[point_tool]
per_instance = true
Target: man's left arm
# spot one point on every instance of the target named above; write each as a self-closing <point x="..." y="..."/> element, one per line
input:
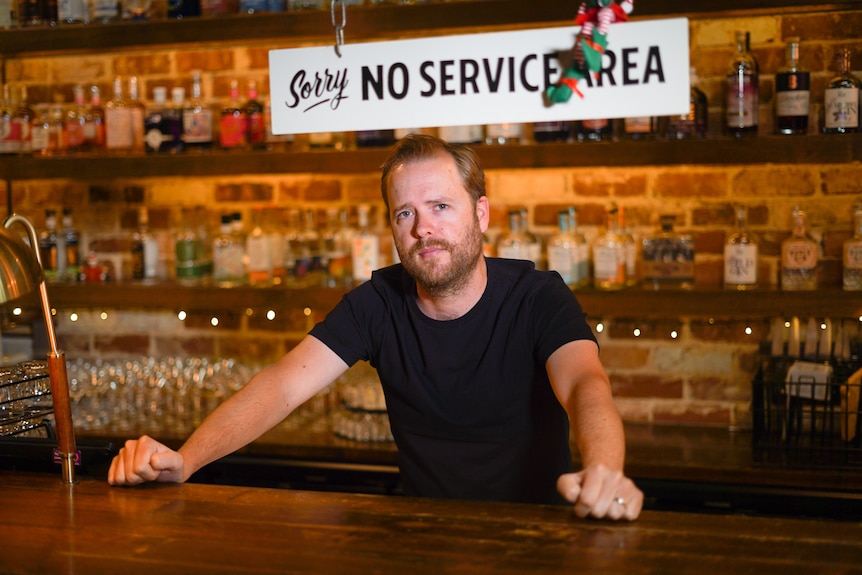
<point x="582" y="387"/>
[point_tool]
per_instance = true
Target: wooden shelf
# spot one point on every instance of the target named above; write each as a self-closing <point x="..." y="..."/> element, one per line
<point x="631" y="303"/>
<point x="364" y="23"/>
<point x="718" y="151"/>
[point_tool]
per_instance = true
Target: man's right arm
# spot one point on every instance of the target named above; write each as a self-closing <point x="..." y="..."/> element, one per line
<point x="269" y="397"/>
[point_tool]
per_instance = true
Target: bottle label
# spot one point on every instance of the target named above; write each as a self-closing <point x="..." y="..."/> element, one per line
<point x="791" y="94"/>
<point x="609" y="264"/>
<point x="366" y="254"/>
<point x="742" y="101"/>
<point x="740" y="264"/>
<point x="104" y="9"/>
<point x="799" y="255"/>
<point x="461" y="134"/>
<point x="118" y="133"/>
<point x="841" y="108"/>
<point x="10" y="136"/>
<point x="233" y="131"/>
<point x="560" y="260"/>
<point x="197" y="126"/>
<point x="853" y="255"/>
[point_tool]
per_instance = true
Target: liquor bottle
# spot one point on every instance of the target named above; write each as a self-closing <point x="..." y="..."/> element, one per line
<point x="365" y="247"/>
<point x="375" y="138"/>
<point x="157" y="136"/>
<point x="308" y="252"/>
<point x="841" y="99"/>
<point x="6" y="11"/>
<point x="192" y="267"/>
<point x="561" y="250"/>
<point x="255" y="120"/>
<point x="76" y="120"/>
<point x="472" y="134"/>
<point x="145" y="255"/>
<point x="514" y="244"/>
<point x="71" y="247"/>
<point x="336" y="248"/>
<point x="31" y="12"/>
<point x="332" y="140"/>
<point x="694" y="123"/>
<point x="137" y="10"/>
<point x="740" y="255"/>
<point x="104" y="11"/>
<point x="228" y="256"/>
<point x="50" y="12"/>
<point x="22" y="117"/>
<point x="48" y="246"/>
<point x="290" y="246"/>
<point x="799" y="256"/>
<point x="233" y="123"/>
<point x="582" y="251"/>
<point x="853" y="254"/>
<point x="509" y="133"/>
<point x="668" y="258"/>
<point x="118" y="121"/>
<point x="197" y="119"/>
<point x="630" y="248"/>
<point x="258" y="251"/>
<point x="551" y="132"/>
<point x="94" y="125"/>
<point x="136" y="113"/>
<point x="742" y="90"/>
<point x="640" y="127"/>
<point x="609" y="258"/>
<point x="41" y="141"/>
<point x="597" y="130"/>
<point x="792" y="94"/>
<point x="72" y="12"/>
<point x="277" y="248"/>
<point x="534" y="244"/>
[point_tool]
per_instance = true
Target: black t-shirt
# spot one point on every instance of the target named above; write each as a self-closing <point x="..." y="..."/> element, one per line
<point x="471" y="408"/>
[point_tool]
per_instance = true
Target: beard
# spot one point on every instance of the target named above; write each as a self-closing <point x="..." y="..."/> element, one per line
<point x="441" y="278"/>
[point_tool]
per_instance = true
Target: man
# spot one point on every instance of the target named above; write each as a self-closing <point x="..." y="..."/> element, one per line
<point x="484" y="362"/>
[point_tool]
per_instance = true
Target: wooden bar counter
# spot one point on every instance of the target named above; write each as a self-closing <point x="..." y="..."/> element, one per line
<point x="92" y="528"/>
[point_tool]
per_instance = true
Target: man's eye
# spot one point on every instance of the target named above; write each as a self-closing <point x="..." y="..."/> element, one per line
<point x="442" y="206"/>
<point x="403" y="214"/>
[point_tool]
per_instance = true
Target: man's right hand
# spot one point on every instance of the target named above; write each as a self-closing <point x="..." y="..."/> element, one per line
<point x="146" y="459"/>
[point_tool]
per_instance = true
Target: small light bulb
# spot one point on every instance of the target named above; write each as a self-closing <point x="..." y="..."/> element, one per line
<point x="600" y="327"/>
<point x="214" y="321"/>
<point x="748" y="330"/>
<point x="674" y="334"/>
<point x="103" y="315"/>
<point x="73" y="316"/>
<point x="637" y="332"/>
<point x="270" y="314"/>
<point x="17" y="311"/>
<point x="181" y="315"/>
<point x="307" y="311"/>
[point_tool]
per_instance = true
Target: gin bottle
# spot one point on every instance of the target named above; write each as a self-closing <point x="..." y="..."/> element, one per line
<point x="841" y="99"/>
<point x="581" y="253"/>
<point x="668" y="258"/>
<point x="740" y="256"/>
<point x="258" y="251"/>
<point x="514" y="244"/>
<point x="799" y="256"/>
<point x="228" y="255"/>
<point x="561" y="250"/>
<point x="197" y="119"/>
<point x="609" y="256"/>
<point x="791" y="94"/>
<point x="365" y="247"/>
<point x="853" y="254"/>
<point x="694" y="123"/>
<point x="742" y="90"/>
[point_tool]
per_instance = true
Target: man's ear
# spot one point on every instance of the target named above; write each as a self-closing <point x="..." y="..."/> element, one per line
<point x="483" y="213"/>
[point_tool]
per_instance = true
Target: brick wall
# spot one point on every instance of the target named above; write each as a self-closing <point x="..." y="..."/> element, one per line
<point x="700" y="376"/>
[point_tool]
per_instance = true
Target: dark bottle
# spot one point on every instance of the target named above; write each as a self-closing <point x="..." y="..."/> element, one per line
<point x="742" y="90"/>
<point x="163" y="125"/>
<point x="375" y="138"/>
<point x="551" y="131"/>
<point x="841" y="99"/>
<point x="791" y="94"/>
<point x="595" y="130"/>
<point x="255" y="118"/>
<point x="693" y="124"/>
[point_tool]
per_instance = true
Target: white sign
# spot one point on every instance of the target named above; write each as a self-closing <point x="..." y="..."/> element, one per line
<point x="488" y="78"/>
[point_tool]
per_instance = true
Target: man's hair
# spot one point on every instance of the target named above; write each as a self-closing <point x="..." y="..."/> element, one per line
<point x="415" y="147"/>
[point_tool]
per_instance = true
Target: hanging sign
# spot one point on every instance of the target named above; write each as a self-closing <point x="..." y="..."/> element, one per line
<point x="487" y="78"/>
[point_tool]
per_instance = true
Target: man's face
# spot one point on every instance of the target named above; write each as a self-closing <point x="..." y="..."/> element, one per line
<point x="437" y="229"/>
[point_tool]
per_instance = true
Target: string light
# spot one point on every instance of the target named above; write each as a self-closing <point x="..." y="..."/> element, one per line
<point x="674" y="334"/>
<point x="748" y="330"/>
<point x="181" y="315"/>
<point x="73" y="316"/>
<point x="600" y="327"/>
<point x="637" y="332"/>
<point x="270" y="314"/>
<point x="214" y="321"/>
<point x="103" y="315"/>
<point x="307" y="311"/>
<point x="17" y="311"/>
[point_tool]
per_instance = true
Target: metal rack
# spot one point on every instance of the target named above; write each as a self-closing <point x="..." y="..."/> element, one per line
<point x="26" y="407"/>
<point x="807" y="422"/>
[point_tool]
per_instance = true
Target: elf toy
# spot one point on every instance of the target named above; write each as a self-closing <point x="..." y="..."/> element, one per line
<point x="594" y="17"/>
